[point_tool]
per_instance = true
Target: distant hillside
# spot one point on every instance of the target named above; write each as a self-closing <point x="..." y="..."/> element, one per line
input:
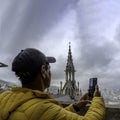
<point x="7" y="83"/>
<point x="53" y="89"/>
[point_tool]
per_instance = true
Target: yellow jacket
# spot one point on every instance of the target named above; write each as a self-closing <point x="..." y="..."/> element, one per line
<point x="27" y="104"/>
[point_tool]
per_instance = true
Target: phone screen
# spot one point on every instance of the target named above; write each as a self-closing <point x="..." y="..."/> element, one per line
<point x="92" y="84"/>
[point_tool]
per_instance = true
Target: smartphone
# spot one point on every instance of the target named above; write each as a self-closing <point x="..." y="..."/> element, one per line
<point x="92" y="84"/>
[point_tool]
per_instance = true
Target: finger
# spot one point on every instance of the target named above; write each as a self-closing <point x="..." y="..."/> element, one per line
<point x="83" y="103"/>
<point x="86" y="101"/>
<point x="96" y="88"/>
<point x="84" y="96"/>
<point x="100" y="93"/>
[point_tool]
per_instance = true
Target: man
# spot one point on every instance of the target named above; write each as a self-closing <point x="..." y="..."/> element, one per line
<point x="29" y="102"/>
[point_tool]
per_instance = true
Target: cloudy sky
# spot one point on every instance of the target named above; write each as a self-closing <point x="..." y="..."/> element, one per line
<point x="92" y="27"/>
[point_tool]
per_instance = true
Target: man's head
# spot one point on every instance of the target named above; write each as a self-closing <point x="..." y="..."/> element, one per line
<point x="29" y="63"/>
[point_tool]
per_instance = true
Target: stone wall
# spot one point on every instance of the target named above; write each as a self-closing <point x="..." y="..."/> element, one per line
<point x="111" y="113"/>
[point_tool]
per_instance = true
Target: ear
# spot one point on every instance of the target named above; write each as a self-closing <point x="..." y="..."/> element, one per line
<point x="43" y="71"/>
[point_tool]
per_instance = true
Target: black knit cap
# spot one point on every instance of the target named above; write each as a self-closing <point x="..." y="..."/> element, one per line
<point x="30" y="59"/>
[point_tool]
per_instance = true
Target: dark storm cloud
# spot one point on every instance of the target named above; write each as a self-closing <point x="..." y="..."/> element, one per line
<point x="25" y="21"/>
<point x="96" y="50"/>
<point x="28" y="23"/>
<point x="23" y="24"/>
<point x="96" y="53"/>
<point x="59" y="68"/>
<point x="117" y="34"/>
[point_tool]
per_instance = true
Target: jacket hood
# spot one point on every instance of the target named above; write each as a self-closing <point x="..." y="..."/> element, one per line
<point x="12" y="99"/>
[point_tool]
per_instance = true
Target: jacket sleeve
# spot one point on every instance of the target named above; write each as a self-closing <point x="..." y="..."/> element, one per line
<point x="95" y="112"/>
<point x="70" y="108"/>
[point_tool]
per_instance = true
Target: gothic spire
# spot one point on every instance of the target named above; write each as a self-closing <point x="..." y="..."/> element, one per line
<point x="69" y="60"/>
<point x="70" y="71"/>
<point x="70" y="87"/>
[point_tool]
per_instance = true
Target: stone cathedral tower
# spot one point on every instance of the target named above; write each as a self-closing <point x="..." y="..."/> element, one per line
<point x="70" y="88"/>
